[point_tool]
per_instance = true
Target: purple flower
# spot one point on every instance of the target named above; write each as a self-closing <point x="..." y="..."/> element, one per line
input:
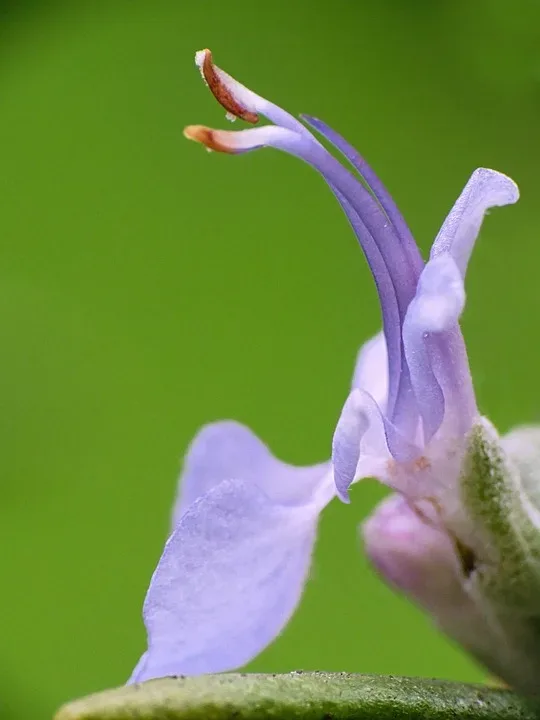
<point x="235" y="565"/>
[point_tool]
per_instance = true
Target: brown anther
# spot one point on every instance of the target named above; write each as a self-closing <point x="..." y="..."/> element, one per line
<point x="222" y="93"/>
<point x="208" y="137"/>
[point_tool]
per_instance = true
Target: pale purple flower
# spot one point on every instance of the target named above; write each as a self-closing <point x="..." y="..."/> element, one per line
<point x="236" y="563"/>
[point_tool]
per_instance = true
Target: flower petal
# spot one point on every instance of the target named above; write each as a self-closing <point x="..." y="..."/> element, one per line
<point x="364" y="440"/>
<point x="230" y="577"/>
<point x="438" y="303"/>
<point x="371" y="370"/>
<point x="228" y="450"/>
<point x="485" y="189"/>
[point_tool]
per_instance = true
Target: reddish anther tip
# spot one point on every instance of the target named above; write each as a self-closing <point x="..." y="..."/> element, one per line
<point x="223" y="94"/>
<point x="212" y="139"/>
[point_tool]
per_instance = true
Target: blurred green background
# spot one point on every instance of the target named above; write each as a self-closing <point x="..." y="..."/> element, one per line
<point x="147" y="287"/>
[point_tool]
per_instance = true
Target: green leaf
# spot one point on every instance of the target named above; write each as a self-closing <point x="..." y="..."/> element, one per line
<point x="300" y="696"/>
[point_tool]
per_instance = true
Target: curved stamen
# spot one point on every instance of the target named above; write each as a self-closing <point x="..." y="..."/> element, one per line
<point x="403" y="412"/>
<point x="386" y="293"/>
<point x="234" y="96"/>
<point x="376" y="237"/>
<point x="378" y="189"/>
<point x="374" y="217"/>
